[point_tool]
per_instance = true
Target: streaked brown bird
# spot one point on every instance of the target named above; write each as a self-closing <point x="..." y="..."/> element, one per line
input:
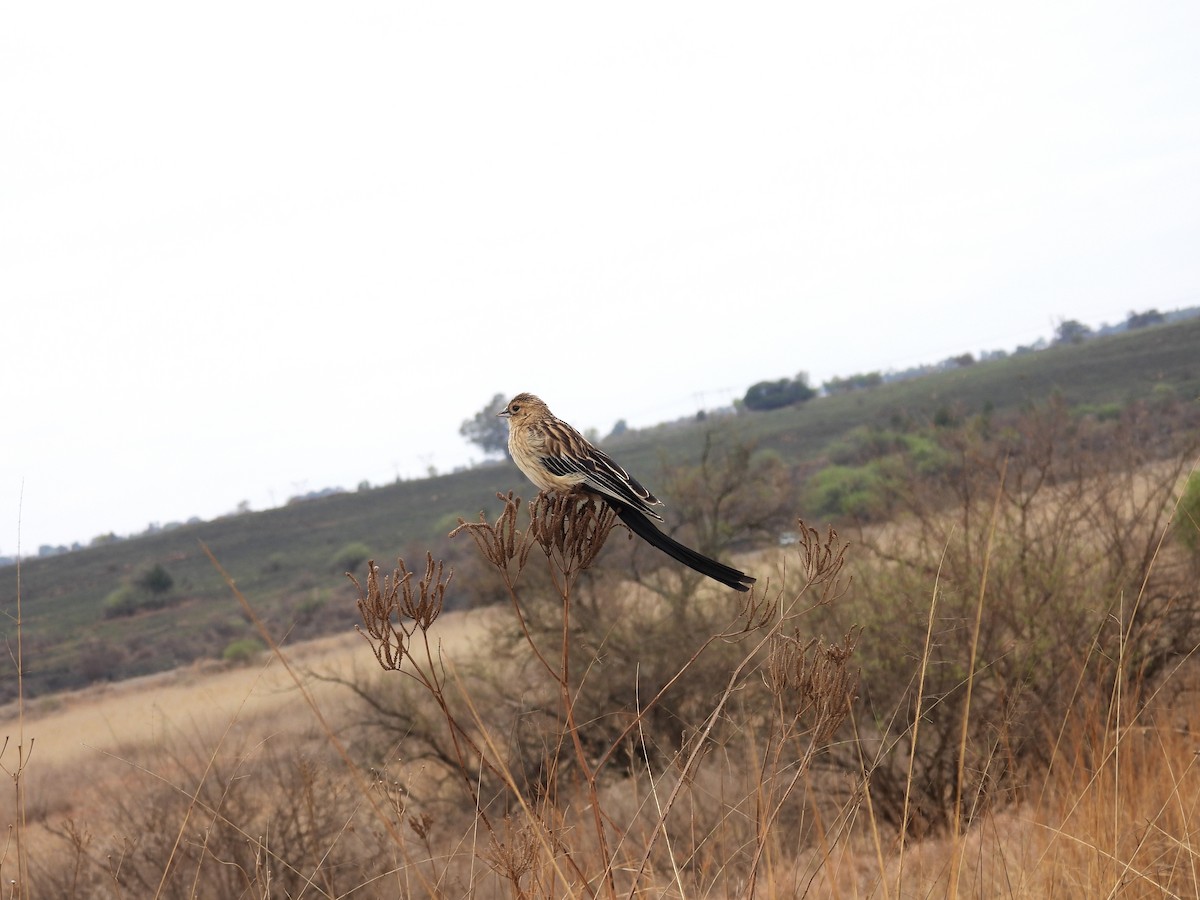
<point x="556" y="457"/>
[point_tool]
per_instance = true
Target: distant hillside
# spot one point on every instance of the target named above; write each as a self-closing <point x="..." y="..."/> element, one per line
<point x="289" y="561"/>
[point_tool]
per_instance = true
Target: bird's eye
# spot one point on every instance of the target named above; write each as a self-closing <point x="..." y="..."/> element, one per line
<point x="516" y="407"/>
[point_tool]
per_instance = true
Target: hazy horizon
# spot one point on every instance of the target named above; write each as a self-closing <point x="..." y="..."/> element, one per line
<point x="478" y="458"/>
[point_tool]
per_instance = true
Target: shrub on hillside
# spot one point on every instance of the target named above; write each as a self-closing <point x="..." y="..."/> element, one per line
<point x="122" y="601"/>
<point x="155" y="580"/>
<point x="864" y="462"/>
<point x="847" y="492"/>
<point x="350" y="556"/>
<point x="150" y="589"/>
<point x="241" y="651"/>
<point x="128" y="600"/>
<point x="1189" y="514"/>
<point x="1015" y="587"/>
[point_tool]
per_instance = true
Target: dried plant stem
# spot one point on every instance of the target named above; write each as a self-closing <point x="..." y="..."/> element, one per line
<point x="310" y="701"/>
<point x="589" y="774"/>
<point x="807" y="679"/>
<point x="194" y="799"/>
<point x="765" y="820"/>
<point x="393" y="612"/>
<point x="212" y="811"/>
<point x="872" y="818"/>
<point x="516" y="792"/>
<point x="570" y="533"/>
<point x="20" y="884"/>
<point x="956" y="860"/>
<point x="916" y="727"/>
<point x="688" y="767"/>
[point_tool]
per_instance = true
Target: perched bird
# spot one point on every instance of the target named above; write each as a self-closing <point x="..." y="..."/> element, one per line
<point x="556" y="457"/>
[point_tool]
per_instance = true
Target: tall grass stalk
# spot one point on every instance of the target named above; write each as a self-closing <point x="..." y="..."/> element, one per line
<point x="18" y="886"/>
<point x="916" y="727"/>
<point x="352" y="769"/>
<point x="972" y="659"/>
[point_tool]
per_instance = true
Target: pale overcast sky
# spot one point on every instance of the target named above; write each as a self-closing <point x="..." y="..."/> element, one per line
<point x="253" y="249"/>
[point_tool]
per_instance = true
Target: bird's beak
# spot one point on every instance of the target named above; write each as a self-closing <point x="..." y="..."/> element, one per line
<point x="503" y="414"/>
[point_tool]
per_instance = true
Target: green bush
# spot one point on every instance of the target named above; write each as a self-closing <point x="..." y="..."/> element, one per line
<point x="917" y="449"/>
<point x="846" y="492"/>
<point x="121" y="602"/>
<point x="924" y="454"/>
<point x="242" y="650"/>
<point x="128" y="600"/>
<point x="155" y="580"/>
<point x="1102" y="412"/>
<point x="350" y="557"/>
<point x="1189" y="514"/>
<point x="863" y="444"/>
<point x="308" y="608"/>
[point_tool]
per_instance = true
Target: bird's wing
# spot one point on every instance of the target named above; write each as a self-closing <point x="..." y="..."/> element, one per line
<point x="568" y="453"/>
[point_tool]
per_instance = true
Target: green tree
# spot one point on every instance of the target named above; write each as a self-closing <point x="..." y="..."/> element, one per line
<point x="155" y="580"/>
<point x="855" y="382"/>
<point x="1143" y="319"/>
<point x="777" y="394"/>
<point x="1071" y="331"/>
<point x="487" y="429"/>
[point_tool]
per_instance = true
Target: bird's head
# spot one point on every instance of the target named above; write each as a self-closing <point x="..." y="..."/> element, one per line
<point x="523" y="408"/>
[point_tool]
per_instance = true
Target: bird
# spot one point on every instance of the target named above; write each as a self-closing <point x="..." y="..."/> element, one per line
<point x="556" y="457"/>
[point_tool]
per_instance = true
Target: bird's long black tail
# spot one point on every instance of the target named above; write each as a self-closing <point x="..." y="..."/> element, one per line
<point x="640" y="525"/>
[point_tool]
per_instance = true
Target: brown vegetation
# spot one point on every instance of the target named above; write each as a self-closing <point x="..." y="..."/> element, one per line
<point x="1002" y="703"/>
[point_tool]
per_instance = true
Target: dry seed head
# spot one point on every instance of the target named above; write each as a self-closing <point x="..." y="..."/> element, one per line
<point x="393" y="792"/>
<point x="814" y="678"/>
<point x="501" y="542"/>
<point x="513" y="856"/>
<point x="393" y="608"/>
<point x="375" y="606"/>
<point x="421" y="825"/>
<point x="785" y="656"/>
<point x="425" y="604"/>
<point x="831" y="684"/>
<point x="822" y="559"/>
<point x="571" y="526"/>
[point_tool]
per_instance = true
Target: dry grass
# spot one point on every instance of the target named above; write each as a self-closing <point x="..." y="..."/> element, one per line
<point x="150" y="740"/>
<point x="262" y="781"/>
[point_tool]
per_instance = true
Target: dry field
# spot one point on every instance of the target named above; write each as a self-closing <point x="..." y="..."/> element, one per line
<point x="82" y="748"/>
<point x="238" y="782"/>
<point x="81" y="729"/>
<point x="1126" y="824"/>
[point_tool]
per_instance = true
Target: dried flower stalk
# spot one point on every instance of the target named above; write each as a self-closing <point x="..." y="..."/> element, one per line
<point x="393" y="609"/>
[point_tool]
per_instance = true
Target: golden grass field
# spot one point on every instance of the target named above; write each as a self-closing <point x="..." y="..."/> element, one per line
<point x="1127" y="828"/>
<point x="80" y="748"/>
<point x="82" y="728"/>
